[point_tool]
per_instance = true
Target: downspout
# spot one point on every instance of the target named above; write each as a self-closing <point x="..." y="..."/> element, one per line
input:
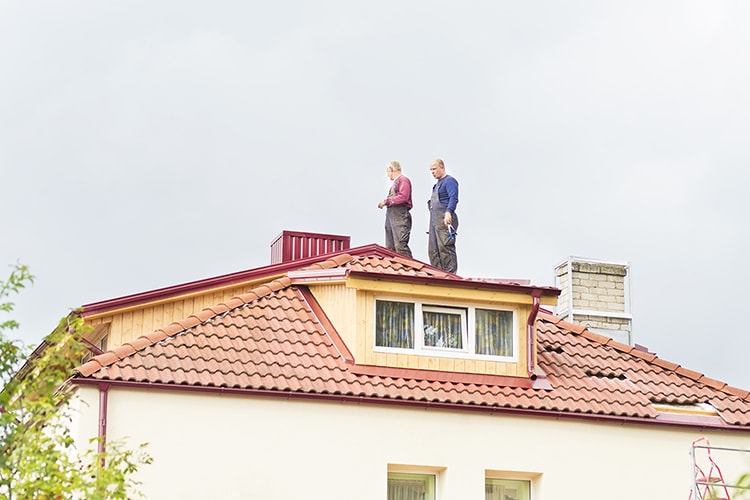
<point x="530" y="337"/>
<point x="102" y="433"/>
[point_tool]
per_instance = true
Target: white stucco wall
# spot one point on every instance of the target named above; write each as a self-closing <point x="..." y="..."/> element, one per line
<point x="235" y="447"/>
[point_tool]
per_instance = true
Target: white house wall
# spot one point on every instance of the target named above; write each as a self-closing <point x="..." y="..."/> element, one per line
<point x="241" y="447"/>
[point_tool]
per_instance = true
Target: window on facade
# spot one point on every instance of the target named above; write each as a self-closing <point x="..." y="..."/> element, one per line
<point x="394" y="324"/>
<point x="402" y="486"/>
<point x="467" y="330"/>
<point x="506" y="489"/>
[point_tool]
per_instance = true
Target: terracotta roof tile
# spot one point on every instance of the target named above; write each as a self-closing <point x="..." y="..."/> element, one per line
<point x="276" y="338"/>
<point x="89" y="368"/>
<point x="140" y="343"/>
<point x="668" y="365"/>
<point x="394" y="266"/>
<point x="740" y="393"/>
<point x="105" y="359"/>
<point x="123" y="351"/>
<point x="714" y="384"/>
<point x="648" y="356"/>
<point x="331" y="263"/>
<point x="689" y="373"/>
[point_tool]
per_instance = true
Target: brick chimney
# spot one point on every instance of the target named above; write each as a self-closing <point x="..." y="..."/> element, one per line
<point x="596" y="294"/>
<point x="295" y="245"/>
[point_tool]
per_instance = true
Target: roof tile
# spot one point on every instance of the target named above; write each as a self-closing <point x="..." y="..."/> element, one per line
<point x="668" y="365"/>
<point x="123" y="351"/>
<point x="688" y="373"/>
<point x="89" y="367"/>
<point x="140" y="343"/>
<point x="276" y="338"/>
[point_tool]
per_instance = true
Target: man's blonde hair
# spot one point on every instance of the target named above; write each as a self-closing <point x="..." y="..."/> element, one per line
<point x="394" y="165"/>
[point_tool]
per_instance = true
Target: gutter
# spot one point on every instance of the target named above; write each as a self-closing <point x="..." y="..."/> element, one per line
<point x="346" y="398"/>
<point x="530" y="337"/>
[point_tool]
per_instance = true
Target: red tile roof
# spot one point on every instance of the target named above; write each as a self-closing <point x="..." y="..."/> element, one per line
<point x="276" y="339"/>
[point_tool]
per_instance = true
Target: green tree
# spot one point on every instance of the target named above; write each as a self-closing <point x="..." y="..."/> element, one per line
<point x="38" y="456"/>
<point x="743" y="484"/>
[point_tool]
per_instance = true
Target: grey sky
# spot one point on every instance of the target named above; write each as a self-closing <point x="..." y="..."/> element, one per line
<point x="145" y="144"/>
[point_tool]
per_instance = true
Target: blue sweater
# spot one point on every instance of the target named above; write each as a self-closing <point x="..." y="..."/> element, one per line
<point x="447" y="192"/>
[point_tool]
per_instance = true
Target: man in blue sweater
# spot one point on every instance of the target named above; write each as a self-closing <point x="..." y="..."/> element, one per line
<point x="441" y="245"/>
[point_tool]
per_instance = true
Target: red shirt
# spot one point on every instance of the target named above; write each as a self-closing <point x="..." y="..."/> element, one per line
<point x="400" y="192"/>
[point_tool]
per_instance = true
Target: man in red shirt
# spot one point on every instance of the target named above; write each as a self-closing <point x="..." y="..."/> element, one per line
<point x="397" y="215"/>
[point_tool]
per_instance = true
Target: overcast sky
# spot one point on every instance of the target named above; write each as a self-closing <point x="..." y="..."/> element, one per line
<point x="145" y="144"/>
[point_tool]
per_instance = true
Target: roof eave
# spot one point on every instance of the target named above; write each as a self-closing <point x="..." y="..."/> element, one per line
<point x="345" y="398"/>
<point x="460" y="283"/>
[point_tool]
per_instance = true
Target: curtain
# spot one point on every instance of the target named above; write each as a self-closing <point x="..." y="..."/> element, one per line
<point x="494" y="332"/>
<point x="442" y="330"/>
<point x="394" y="324"/>
<point x="493" y="492"/>
<point x="500" y="489"/>
<point x="406" y="489"/>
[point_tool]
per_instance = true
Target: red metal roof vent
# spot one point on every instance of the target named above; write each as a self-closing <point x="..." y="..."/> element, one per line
<point x="295" y="245"/>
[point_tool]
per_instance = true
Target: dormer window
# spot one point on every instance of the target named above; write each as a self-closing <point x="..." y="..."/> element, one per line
<point x="444" y="327"/>
<point x="441" y="330"/>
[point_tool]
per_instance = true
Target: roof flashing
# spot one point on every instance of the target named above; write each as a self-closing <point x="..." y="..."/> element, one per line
<point x="301" y="276"/>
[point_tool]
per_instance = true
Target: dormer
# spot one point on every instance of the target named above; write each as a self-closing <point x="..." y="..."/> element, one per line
<point x="395" y="312"/>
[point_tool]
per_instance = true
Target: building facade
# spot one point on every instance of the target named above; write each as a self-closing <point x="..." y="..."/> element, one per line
<point x="360" y="373"/>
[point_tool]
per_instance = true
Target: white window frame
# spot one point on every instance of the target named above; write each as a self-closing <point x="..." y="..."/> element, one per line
<point x="509" y="480"/>
<point x="422" y="474"/>
<point x="457" y="311"/>
<point x="420" y="470"/>
<point x="468" y="312"/>
<point x="527" y="477"/>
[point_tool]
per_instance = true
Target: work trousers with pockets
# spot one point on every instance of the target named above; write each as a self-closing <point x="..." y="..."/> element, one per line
<point x="398" y="229"/>
<point x="441" y="244"/>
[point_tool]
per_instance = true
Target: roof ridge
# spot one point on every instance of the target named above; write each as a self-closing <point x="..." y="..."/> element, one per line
<point x="419" y="266"/>
<point x="146" y="340"/>
<point x="648" y="357"/>
<point x="330" y="263"/>
<point x="410" y="263"/>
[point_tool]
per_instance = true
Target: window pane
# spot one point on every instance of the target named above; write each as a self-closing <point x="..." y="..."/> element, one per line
<point x="506" y="489"/>
<point x="394" y="324"/>
<point x="494" y="332"/>
<point x="411" y="486"/>
<point x="443" y="329"/>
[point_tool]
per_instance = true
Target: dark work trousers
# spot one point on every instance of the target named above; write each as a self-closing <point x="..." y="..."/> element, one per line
<point x="441" y="247"/>
<point x="398" y="229"/>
